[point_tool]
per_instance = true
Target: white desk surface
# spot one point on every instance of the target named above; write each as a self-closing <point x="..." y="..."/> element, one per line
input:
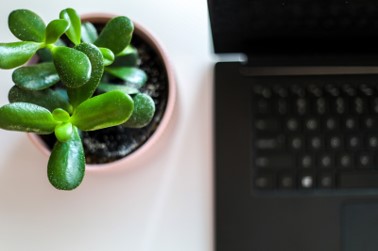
<point x="164" y="205"/>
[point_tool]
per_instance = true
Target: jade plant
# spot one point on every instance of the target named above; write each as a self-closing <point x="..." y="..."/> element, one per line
<point x="70" y="78"/>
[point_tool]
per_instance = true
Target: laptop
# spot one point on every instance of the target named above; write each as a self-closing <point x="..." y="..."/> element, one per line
<point x="296" y="125"/>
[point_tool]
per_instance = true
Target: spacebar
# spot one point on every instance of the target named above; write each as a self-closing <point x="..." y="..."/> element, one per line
<point x="358" y="180"/>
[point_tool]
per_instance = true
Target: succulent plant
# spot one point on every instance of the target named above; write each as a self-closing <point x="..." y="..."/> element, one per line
<point x="78" y="80"/>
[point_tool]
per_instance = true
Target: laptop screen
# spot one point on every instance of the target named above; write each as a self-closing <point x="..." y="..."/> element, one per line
<point x="294" y="26"/>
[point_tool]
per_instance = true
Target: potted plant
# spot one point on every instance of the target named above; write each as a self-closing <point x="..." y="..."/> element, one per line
<point x="82" y="77"/>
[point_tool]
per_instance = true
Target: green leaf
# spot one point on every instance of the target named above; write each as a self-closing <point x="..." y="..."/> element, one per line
<point x="49" y="99"/>
<point x="128" y="57"/>
<point x="102" y="111"/>
<point x="26" y="25"/>
<point x="26" y="117"/>
<point x="78" y="95"/>
<point x="74" y="31"/>
<point x="66" y="166"/>
<point x="16" y="53"/>
<point x="107" y="55"/>
<point x="61" y="115"/>
<point x="63" y="132"/>
<point x="36" y="77"/>
<point x="107" y="87"/>
<point x="128" y="51"/>
<point x="55" y="29"/>
<point x="144" y="110"/>
<point x="116" y="34"/>
<point x="132" y="75"/>
<point x="73" y="66"/>
<point x="88" y="33"/>
<point x="45" y="54"/>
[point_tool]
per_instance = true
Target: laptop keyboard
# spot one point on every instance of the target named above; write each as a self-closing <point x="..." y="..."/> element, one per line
<point x="309" y="136"/>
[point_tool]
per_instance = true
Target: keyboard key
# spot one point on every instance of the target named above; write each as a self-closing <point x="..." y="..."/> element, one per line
<point x="262" y="106"/>
<point x="292" y="124"/>
<point x="349" y="90"/>
<point x="353" y="142"/>
<point x="315" y="90"/>
<point x="331" y="124"/>
<point x="306" y="181"/>
<point x="298" y="90"/>
<point x="358" y="105"/>
<point x="321" y="106"/>
<point x="281" y="91"/>
<point x="301" y="106"/>
<point x="282" y="107"/>
<point x="312" y="124"/>
<point x="326" y="180"/>
<point x="332" y="90"/>
<point x="351" y="123"/>
<point x="365" y="160"/>
<point x="306" y="161"/>
<point x="346" y="161"/>
<point x="354" y="179"/>
<point x="372" y="141"/>
<point x="275" y="161"/>
<point x="334" y="142"/>
<point x="370" y="123"/>
<point x="375" y="105"/>
<point x="287" y="181"/>
<point x="367" y="90"/>
<point x="267" y="124"/>
<point x="315" y="143"/>
<point x="296" y="142"/>
<point x="340" y="106"/>
<point x="326" y="160"/>
<point x="264" y="181"/>
<point x="269" y="143"/>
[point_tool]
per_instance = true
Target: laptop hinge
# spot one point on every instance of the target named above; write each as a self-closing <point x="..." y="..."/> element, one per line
<point x="313" y="60"/>
<point x="283" y="65"/>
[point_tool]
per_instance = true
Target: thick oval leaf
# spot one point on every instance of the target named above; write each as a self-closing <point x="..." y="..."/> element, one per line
<point x="26" y="25"/>
<point x="116" y="34"/>
<point x="66" y="166"/>
<point x="144" y="110"/>
<point x="84" y="92"/>
<point x="74" y="31"/>
<point x="132" y="75"/>
<point x="61" y="115"/>
<point x="128" y="51"/>
<point x="107" y="87"/>
<point x="102" y="111"/>
<point x="73" y="66"/>
<point x="36" y="77"/>
<point x="17" y="53"/>
<point x="27" y="117"/>
<point x="88" y="33"/>
<point x="55" y="29"/>
<point x="49" y="99"/>
<point x="63" y="132"/>
<point x="129" y="57"/>
<point x="108" y="56"/>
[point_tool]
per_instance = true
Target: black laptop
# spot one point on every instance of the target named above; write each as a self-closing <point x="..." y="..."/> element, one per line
<point x="296" y="125"/>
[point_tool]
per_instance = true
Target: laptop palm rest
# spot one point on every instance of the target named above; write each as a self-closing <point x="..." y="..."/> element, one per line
<point x="360" y="226"/>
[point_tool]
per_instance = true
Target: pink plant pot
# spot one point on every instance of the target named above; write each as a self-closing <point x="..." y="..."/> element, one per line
<point x="149" y="148"/>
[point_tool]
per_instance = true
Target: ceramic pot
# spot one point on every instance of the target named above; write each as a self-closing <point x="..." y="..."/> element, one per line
<point x="150" y="146"/>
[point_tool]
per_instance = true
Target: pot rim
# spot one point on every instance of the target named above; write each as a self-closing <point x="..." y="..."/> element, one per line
<point x="168" y="115"/>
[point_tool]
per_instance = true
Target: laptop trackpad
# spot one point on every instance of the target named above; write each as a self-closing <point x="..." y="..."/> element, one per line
<point x="360" y="227"/>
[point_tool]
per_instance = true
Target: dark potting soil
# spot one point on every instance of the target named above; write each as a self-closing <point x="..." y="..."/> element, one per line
<point x="110" y="144"/>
